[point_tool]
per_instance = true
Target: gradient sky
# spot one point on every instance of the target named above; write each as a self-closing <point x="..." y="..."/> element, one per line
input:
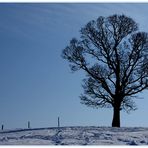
<point x="36" y="84"/>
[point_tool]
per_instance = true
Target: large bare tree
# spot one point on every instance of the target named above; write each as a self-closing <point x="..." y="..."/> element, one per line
<point x="114" y="55"/>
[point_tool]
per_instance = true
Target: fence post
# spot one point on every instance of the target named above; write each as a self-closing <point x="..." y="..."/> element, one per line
<point x="2" y="126"/>
<point x="28" y="124"/>
<point x="58" y="122"/>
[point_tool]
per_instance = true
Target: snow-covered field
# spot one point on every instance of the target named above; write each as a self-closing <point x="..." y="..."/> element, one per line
<point x="75" y="136"/>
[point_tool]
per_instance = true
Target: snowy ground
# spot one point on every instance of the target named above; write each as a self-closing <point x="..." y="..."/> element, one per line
<point x="75" y="136"/>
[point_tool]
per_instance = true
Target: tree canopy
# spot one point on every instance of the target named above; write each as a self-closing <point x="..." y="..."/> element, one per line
<point x="114" y="54"/>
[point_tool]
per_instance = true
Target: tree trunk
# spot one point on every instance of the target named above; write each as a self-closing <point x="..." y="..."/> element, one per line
<point x="116" y="117"/>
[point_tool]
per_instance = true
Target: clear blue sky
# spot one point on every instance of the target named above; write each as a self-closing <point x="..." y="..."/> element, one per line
<point x="36" y="84"/>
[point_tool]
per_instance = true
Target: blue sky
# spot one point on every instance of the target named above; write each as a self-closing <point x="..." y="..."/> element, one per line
<point x="36" y="84"/>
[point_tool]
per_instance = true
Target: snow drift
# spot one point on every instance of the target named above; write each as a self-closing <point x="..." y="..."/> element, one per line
<point x="75" y="136"/>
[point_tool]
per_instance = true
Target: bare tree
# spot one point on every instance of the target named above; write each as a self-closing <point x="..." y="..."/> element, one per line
<point x="114" y="55"/>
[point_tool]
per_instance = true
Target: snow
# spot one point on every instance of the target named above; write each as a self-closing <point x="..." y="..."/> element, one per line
<point x="75" y="136"/>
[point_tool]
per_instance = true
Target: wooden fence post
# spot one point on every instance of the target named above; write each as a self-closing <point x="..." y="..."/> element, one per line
<point x="28" y="124"/>
<point x="58" y="122"/>
<point x="2" y="126"/>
